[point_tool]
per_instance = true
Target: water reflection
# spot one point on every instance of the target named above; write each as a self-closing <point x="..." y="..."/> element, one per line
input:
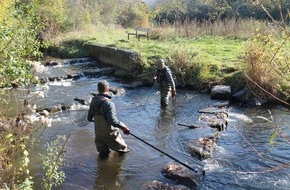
<point x="166" y="119"/>
<point x="108" y="172"/>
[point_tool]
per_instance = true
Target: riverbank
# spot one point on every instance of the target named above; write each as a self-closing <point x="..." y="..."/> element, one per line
<point x="197" y="63"/>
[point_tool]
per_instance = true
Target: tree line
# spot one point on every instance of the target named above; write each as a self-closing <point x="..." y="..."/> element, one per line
<point x="221" y="9"/>
<point x="65" y="15"/>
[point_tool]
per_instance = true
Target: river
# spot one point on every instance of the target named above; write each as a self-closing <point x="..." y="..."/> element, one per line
<point x="242" y="160"/>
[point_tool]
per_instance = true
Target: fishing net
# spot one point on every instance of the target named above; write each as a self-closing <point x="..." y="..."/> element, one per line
<point x="79" y="118"/>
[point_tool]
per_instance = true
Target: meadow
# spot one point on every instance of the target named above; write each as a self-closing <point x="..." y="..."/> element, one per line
<point x="198" y="53"/>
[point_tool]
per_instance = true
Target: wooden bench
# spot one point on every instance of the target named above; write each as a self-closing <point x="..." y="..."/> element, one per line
<point x="139" y="32"/>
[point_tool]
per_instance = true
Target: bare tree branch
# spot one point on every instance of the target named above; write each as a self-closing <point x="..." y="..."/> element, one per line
<point x="286" y="103"/>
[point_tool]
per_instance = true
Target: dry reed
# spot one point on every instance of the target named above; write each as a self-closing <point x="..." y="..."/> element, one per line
<point x="241" y="28"/>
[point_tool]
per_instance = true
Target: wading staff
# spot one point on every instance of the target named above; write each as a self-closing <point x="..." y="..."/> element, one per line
<point x="185" y="165"/>
<point x="149" y="94"/>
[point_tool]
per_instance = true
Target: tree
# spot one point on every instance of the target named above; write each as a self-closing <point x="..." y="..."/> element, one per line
<point x="136" y="13"/>
<point x="19" y="29"/>
<point x="80" y="13"/>
<point x="268" y="59"/>
<point x="52" y="15"/>
<point x="171" y="10"/>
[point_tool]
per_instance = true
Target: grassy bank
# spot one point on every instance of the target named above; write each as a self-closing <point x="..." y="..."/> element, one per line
<point x="211" y="49"/>
<point x="196" y="62"/>
<point x="201" y="54"/>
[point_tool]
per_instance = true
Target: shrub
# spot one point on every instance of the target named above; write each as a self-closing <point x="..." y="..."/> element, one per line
<point x="268" y="65"/>
<point x="189" y="71"/>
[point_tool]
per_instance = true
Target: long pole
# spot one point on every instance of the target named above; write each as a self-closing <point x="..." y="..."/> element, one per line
<point x="185" y="165"/>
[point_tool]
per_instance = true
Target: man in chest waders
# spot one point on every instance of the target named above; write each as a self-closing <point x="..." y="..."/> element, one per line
<point x="103" y="113"/>
<point x="166" y="82"/>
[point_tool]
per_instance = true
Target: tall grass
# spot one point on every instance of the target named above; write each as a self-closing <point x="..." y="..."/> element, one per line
<point x="240" y="28"/>
<point x="190" y="69"/>
<point x="268" y="66"/>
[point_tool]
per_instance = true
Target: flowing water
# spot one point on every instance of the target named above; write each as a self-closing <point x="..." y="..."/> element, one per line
<point x="243" y="158"/>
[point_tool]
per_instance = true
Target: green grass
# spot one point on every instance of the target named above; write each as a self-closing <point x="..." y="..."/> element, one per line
<point x="199" y="61"/>
<point x="220" y="53"/>
<point x="213" y="49"/>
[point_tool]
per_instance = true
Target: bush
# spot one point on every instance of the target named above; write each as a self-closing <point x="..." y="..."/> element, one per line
<point x="268" y="65"/>
<point x="189" y="71"/>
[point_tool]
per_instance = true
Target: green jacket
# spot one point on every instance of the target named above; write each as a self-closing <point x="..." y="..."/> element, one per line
<point x="164" y="77"/>
<point x="102" y="112"/>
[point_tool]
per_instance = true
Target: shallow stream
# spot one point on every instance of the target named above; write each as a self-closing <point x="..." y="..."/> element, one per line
<point x="243" y="158"/>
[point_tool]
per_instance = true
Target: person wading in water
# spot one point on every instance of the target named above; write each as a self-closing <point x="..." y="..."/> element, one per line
<point x="103" y="113"/>
<point x="165" y="79"/>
